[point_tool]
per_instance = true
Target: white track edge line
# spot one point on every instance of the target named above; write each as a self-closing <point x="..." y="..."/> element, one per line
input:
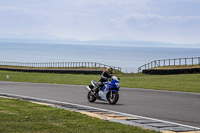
<point x="197" y="128"/>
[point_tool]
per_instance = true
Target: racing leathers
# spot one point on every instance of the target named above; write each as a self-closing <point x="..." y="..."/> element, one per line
<point x="104" y="77"/>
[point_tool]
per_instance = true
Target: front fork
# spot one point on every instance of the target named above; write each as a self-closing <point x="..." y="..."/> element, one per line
<point x="111" y="94"/>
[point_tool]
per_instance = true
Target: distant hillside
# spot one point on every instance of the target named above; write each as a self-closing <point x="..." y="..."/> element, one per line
<point x="110" y="42"/>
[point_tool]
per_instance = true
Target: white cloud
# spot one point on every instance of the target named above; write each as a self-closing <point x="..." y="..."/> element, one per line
<point x="167" y="21"/>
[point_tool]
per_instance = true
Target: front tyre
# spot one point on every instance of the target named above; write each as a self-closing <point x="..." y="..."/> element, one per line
<point x="91" y="97"/>
<point x="112" y="97"/>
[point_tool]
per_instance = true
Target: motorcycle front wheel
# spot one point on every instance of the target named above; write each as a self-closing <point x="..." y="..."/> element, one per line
<point x="91" y="97"/>
<point x="112" y="97"/>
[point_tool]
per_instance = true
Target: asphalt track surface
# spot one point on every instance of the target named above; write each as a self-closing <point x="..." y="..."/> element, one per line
<point x="178" y="107"/>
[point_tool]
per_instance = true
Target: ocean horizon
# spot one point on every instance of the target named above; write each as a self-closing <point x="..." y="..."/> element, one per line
<point x="129" y="58"/>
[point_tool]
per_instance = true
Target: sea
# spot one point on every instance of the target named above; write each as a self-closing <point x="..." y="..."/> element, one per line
<point x="129" y="58"/>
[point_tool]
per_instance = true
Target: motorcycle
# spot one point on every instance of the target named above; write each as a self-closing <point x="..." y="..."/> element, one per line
<point x="109" y="92"/>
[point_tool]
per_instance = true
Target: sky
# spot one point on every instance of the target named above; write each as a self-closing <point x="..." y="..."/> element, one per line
<point x="168" y="21"/>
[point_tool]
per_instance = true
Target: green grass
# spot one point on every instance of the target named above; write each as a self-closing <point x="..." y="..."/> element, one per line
<point x="181" y="82"/>
<point x="73" y="79"/>
<point x="25" y="117"/>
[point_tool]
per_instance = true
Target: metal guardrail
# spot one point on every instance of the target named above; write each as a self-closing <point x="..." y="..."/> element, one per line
<point x="58" y="64"/>
<point x="170" y="62"/>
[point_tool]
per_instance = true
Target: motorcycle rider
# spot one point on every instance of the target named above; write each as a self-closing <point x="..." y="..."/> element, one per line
<point x="106" y="74"/>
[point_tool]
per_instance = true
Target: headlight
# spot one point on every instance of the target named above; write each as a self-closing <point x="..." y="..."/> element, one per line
<point x="117" y="84"/>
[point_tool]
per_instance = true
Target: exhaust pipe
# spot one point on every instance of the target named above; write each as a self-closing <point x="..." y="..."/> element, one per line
<point x="88" y="88"/>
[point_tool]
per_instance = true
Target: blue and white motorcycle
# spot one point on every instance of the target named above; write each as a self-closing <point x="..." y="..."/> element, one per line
<point x="109" y="92"/>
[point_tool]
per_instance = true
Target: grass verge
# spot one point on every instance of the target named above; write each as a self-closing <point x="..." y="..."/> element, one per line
<point x="24" y="117"/>
<point x="180" y="82"/>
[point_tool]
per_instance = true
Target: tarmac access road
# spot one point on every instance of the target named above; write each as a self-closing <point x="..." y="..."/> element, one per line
<point x="178" y="107"/>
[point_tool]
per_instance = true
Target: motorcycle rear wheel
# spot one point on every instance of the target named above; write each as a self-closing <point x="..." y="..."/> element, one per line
<point x="91" y="97"/>
<point x="112" y="99"/>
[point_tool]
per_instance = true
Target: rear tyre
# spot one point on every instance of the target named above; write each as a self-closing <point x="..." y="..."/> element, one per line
<point x="113" y="98"/>
<point x="91" y="97"/>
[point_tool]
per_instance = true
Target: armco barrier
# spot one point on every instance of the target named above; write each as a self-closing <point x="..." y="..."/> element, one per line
<point x="58" y="64"/>
<point x="171" y="62"/>
<point x="171" y="71"/>
<point x="54" y="71"/>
